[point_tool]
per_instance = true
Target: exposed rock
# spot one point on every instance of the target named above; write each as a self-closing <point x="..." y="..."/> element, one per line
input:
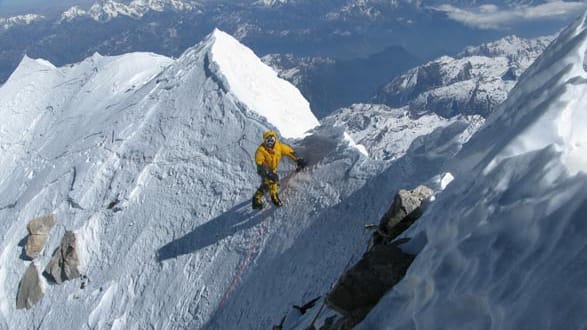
<point x="383" y="266"/>
<point x="64" y="264"/>
<point x="361" y="287"/>
<point x="38" y="229"/>
<point x="406" y="208"/>
<point x="30" y="289"/>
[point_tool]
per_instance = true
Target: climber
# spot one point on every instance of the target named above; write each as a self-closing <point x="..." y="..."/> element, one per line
<point x="267" y="158"/>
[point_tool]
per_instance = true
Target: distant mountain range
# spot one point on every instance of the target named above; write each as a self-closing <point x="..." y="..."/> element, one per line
<point x="473" y="82"/>
<point x="343" y="29"/>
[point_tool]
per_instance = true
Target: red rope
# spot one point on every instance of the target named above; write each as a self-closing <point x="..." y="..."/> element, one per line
<point x="244" y="263"/>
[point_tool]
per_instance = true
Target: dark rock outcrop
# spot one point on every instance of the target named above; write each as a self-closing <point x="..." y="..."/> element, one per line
<point x="406" y="208"/>
<point x="38" y="229"/>
<point x="361" y="287"/>
<point x="383" y="266"/>
<point x="64" y="264"/>
<point x="30" y="290"/>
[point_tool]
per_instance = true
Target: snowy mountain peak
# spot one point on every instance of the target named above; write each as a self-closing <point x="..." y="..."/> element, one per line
<point x="9" y="22"/>
<point x="271" y="3"/>
<point x="105" y="10"/>
<point x="28" y="65"/>
<point x="258" y="87"/>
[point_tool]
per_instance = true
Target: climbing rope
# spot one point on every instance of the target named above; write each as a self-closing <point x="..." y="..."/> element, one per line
<point x="245" y="262"/>
<point x="251" y="251"/>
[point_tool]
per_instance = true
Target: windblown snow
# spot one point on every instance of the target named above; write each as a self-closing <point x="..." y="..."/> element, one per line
<point x="506" y="240"/>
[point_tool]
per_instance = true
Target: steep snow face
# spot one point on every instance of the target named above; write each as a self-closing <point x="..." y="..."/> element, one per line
<point x="506" y="241"/>
<point x="388" y="133"/>
<point x="260" y="89"/>
<point x="475" y="82"/>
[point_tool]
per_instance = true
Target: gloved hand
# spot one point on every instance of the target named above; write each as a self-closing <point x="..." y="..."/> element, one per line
<point x="301" y="164"/>
<point x="272" y="176"/>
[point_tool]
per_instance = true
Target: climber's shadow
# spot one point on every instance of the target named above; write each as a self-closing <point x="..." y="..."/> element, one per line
<point x="234" y="220"/>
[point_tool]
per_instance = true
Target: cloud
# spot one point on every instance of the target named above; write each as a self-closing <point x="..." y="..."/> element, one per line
<point x="492" y="17"/>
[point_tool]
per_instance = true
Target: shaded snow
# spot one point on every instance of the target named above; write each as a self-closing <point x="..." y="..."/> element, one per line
<point x="506" y="240"/>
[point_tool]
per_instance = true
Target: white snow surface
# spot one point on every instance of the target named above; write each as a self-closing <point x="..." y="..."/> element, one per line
<point x="505" y="242"/>
<point x="388" y="132"/>
<point x="260" y="89"/>
<point x="150" y="161"/>
<point x="474" y="82"/>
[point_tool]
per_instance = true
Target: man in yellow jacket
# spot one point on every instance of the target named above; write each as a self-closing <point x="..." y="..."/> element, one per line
<point x="267" y="158"/>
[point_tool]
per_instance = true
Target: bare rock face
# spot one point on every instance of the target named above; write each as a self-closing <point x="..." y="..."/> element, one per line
<point x="64" y="264"/>
<point x="38" y="229"/>
<point x="382" y="266"/>
<point x="361" y="287"/>
<point x="30" y="290"/>
<point x="406" y="208"/>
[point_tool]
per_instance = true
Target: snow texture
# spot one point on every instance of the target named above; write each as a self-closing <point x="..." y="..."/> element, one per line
<point x="388" y="133"/>
<point x="474" y="82"/>
<point x="149" y="160"/>
<point x="505" y="241"/>
<point x="258" y="87"/>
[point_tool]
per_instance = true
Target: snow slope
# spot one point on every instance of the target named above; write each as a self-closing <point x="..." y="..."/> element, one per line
<point x="168" y="144"/>
<point x="506" y="241"/>
<point x="132" y="152"/>
<point x="258" y="86"/>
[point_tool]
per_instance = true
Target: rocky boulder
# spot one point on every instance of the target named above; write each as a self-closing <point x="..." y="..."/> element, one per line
<point x="64" y="264"/>
<point x="404" y="211"/>
<point x="30" y="289"/>
<point x="361" y="287"/>
<point x="38" y="229"/>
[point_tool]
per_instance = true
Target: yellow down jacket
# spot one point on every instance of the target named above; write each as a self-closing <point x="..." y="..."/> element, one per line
<point x="270" y="158"/>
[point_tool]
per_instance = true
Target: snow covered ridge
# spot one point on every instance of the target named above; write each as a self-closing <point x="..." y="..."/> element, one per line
<point x="9" y="22"/>
<point x="106" y="10"/>
<point x="258" y="86"/>
<point x="270" y="3"/>
<point x="388" y="133"/>
<point x="505" y="240"/>
<point x="131" y="153"/>
<point x="475" y="82"/>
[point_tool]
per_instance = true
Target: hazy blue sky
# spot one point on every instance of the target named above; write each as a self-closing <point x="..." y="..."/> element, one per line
<point x="19" y="6"/>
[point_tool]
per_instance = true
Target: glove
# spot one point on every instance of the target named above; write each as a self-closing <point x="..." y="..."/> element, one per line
<point x="272" y="176"/>
<point x="301" y="164"/>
